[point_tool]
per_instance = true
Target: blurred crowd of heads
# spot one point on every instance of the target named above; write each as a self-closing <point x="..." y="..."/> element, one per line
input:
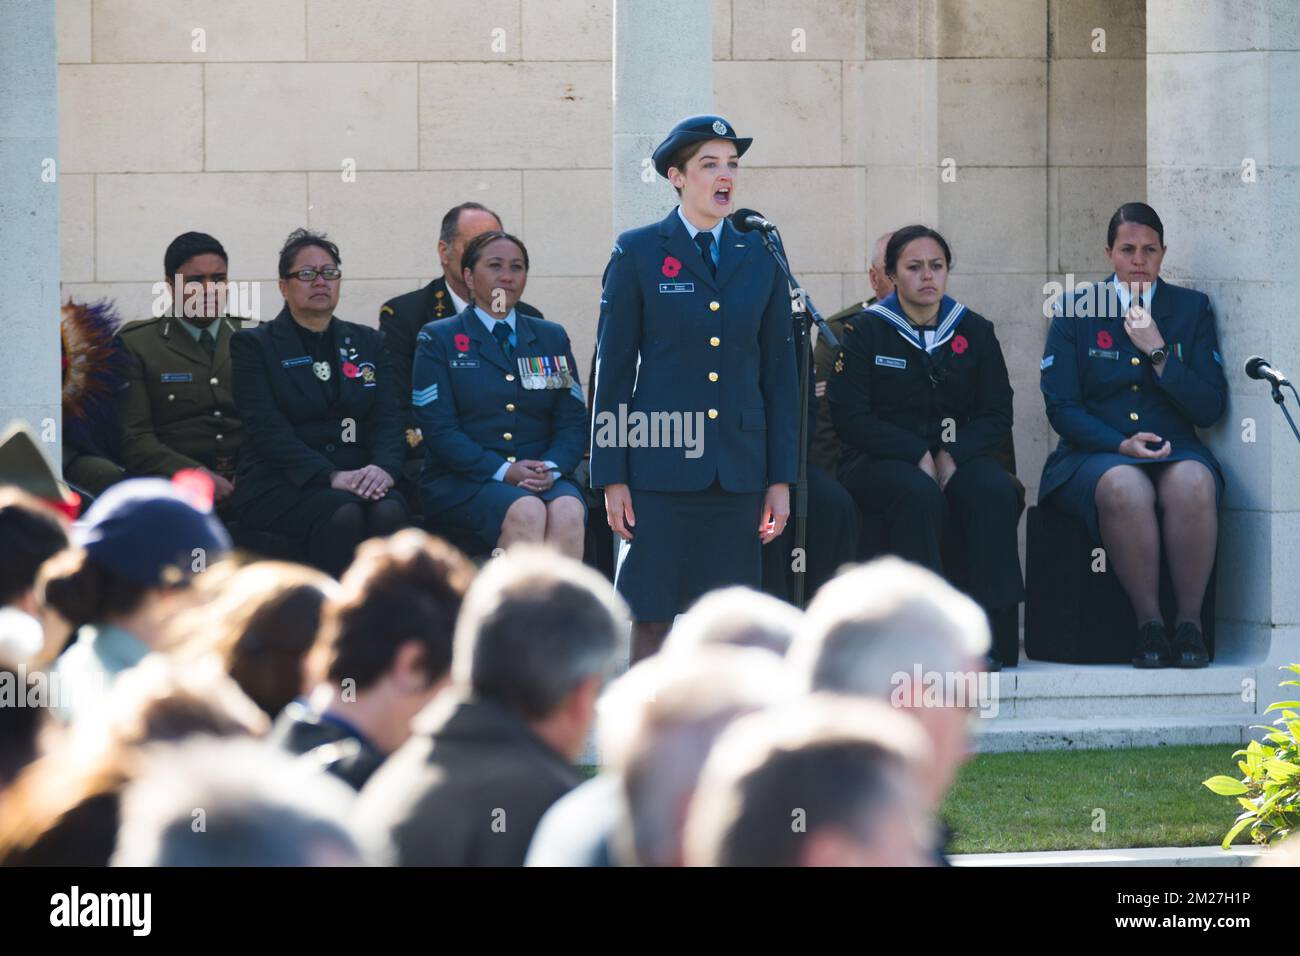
<point x="145" y="665"/>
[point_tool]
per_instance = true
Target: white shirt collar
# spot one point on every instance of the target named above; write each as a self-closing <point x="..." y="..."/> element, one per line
<point x="459" y="304"/>
<point x="716" y="230"/>
<point x="489" y="320"/>
<point x="1122" y="291"/>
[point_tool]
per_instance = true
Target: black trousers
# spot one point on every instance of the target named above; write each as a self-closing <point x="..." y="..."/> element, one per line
<point x="981" y="501"/>
<point x="831" y="540"/>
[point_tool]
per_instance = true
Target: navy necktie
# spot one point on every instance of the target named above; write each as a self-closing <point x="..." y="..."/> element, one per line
<point x="502" y="333"/>
<point x="705" y="241"/>
<point x="208" y="342"/>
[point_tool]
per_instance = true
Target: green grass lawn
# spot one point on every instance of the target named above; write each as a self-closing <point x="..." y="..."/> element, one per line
<point x="1151" y="796"/>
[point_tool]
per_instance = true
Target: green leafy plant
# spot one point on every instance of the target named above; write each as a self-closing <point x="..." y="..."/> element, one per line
<point x="1269" y="790"/>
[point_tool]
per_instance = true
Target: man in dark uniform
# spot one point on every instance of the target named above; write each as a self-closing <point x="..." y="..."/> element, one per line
<point x="178" y="409"/>
<point x="401" y="318"/>
<point x="825" y="449"/>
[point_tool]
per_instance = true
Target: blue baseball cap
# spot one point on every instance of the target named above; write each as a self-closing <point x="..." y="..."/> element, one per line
<point x="696" y="129"/>
<point x="142" y="527"/>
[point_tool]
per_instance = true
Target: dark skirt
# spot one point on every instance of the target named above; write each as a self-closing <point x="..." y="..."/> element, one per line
<point x="315" y="504"/>
<point x="484" y="513"/>
<point x="1078" y="495"/>
<point x="685" y="544"/>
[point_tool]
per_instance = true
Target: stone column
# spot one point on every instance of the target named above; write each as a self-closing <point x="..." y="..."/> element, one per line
<point x="663" y="71"/>
<point x="29" y="220"/>
<point x="1223" y="147"/>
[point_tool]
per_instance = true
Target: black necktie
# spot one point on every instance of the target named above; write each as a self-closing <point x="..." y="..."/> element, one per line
<point x="208" y="342"/>
<point x="502" y="333"/>
<point x="705" y="241"/>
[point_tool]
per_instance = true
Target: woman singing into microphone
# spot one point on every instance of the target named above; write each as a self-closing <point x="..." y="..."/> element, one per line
<point x="695" y="421"/>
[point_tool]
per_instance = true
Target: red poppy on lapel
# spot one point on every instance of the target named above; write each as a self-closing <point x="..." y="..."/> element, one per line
<point x="1104" y="341"/>
<point x="959" y="344"/>
<point x="350" y="370"/>
<point x="462" y="342"/>
<point x="672" y="267"/>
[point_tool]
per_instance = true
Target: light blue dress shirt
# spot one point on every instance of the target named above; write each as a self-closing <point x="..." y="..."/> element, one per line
<point x="716" y="230"/>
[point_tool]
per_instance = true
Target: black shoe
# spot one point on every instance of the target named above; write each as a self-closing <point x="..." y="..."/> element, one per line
<point x="1189" y="646"/>
<point x="992" y="664"/>
<point x="1005" y="625"/>
<point x="1152" y="646"/>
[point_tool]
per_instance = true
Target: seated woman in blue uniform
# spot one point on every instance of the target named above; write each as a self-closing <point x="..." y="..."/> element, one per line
<point x="499" y="401"/>
<point x="921" y="400"/>
<point x="1128" y="380"/>
<point x="322" y="435"/>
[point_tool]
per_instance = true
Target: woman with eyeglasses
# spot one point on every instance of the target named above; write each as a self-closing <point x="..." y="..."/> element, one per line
<point x="322" y="433"/>
<point x="921" y="399"/>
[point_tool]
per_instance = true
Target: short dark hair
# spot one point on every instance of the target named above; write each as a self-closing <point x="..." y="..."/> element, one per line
<point x="908" y="234"/>
<point x="188" y="245"/>
<point x="20" y="727"/>
<point x="407" y="587"/>
<point x="474" y="251"/>
<point x="534" y="626"/>
<point x="300" y="239"/>
<point x="451" y="221"/>
<point x="30" y="533"/>
<point x="841" y="760"/>
<point x="1136" y="212"/>
<point x="83" y="592"/>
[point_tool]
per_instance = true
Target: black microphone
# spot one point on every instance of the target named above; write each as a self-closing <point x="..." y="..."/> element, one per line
<point x="1259" y="368"/>
<point x="747" y="220"/>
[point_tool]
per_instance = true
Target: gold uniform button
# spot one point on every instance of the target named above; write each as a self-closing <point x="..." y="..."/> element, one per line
<point x="1133" y="416"/>
<point x="1135" y="360"/>
<point x="713" y="413"/>
<point x="714" y="306"/>
<point x="507" y="436"/>
<point x="511" y="459"/>
<point x="510" y="406"/>
<point x="509" y="377"/>
<point x="713" y="376"/>
<point x="171" y="398"/>
<point x="715" y="341"/>
<point x="220" y="437"/>
<point x="212" y="381"/>
<point x="216" y="413"/>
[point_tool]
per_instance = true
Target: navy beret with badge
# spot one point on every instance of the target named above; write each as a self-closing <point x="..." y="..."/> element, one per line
<point x="695" y="129"/>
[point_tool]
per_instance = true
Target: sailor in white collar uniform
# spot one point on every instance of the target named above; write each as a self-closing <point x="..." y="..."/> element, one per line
<point x="922" y="402"/>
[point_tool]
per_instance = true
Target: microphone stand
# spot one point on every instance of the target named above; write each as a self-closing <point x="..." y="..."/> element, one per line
<point x="803" y="311"/>
<point x="1280" y="399"/>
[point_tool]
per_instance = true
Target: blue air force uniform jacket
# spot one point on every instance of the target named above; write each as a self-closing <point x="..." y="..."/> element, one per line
<point x="673" y="338"/>
<point x="479" y="410"/>
<point x="293" y="435"/>
<point x="1100" y="388"/>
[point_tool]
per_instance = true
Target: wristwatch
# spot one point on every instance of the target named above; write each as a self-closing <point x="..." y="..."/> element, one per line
<point x="1158" y="355"/>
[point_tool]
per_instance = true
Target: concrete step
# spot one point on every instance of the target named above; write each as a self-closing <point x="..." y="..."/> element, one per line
<point x="1037" y="690"/>
<point x="1137" y="856"/>
<point x="1105" y="733"/>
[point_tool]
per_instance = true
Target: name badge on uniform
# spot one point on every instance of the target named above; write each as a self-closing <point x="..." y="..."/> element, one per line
<point x="463" y="363"/>
<point x="1103" y="353"/>
<point x="890" y="362"/>
<point x="677" y="287"/>
<point x="176" y="377"/>
<point x="295" y="362"/>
